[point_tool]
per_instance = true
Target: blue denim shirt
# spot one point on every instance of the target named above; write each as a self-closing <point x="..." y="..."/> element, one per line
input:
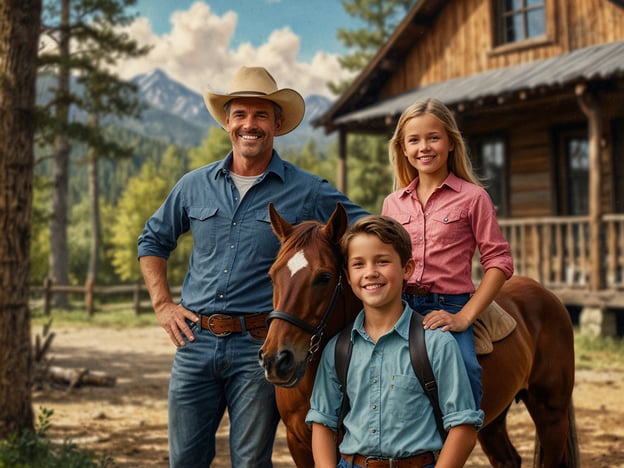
<point x="390" y="414"/>
<point x="234" y="245"/>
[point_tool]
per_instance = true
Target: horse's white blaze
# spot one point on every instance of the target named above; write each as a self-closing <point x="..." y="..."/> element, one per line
<point x="297" y="262"/>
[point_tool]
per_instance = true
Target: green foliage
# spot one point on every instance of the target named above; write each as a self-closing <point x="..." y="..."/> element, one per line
<point x="380" y="18"/>
<point x="214" y="148"/>
<point x="144" y="194"/>
<point x="32" y="449"/>
<point x="370" y="173"/>
<point x="142" y="197"/>
<point x="114" y="316"/>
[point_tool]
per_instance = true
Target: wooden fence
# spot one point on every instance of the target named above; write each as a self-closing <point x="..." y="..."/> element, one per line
<point x="137" y="292"/>
<point x="553" y="250"/>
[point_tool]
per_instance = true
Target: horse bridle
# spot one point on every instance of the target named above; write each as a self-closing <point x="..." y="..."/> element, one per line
<point x="317" y="332"/>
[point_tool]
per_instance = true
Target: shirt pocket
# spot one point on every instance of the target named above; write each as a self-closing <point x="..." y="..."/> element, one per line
<point x="446" y="226"/>
<point x="265" y="242"/>
<point x="403" y="390"/>
<point x="204" y="226"/>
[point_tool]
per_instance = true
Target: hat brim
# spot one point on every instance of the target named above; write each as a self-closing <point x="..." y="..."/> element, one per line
<point x="291" y="102"/>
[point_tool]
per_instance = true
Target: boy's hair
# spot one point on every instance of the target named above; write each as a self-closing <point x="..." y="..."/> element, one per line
<point x="388" y="230"/>
<point x="458" y="161"/>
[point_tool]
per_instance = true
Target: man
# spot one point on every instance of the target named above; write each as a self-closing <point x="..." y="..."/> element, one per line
<point x="220" y="324"/>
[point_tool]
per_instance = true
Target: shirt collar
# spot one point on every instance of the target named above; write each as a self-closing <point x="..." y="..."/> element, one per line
<point x="401" y="327"/>
<point x="276" y="166"/>
<point x="452" y="181"/>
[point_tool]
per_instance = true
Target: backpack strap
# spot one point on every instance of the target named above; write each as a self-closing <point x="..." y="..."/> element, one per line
<point x="342" y="358"/>
<point x="422" y="367"/>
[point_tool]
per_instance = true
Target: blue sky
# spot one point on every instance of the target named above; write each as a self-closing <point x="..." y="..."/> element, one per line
<point x="202" y="43"/>
<point x="315" y="21"/>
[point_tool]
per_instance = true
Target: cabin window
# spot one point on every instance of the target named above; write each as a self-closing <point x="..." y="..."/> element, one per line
<point x="490" y="165"/>
<point x="574" y="181"/>
<point x="520" y="20"/>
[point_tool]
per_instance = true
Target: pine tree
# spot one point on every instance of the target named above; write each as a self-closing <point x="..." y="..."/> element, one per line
<point x="19" y="33"/>
<point x="88" y="44"/>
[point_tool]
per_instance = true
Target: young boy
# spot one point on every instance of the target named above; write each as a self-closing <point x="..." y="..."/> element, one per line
<point x="390" y="417"/>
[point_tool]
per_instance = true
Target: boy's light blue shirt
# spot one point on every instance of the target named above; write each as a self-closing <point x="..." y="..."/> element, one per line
<point x="234" y="245"/>
<point x="390" y="414"/>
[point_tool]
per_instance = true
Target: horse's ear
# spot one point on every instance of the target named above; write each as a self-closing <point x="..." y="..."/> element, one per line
<point x="281" y="227"/>
<point x="337" y="224"/>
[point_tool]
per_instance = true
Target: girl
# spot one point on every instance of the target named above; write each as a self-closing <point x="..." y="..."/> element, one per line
<point x="447" y="214"/>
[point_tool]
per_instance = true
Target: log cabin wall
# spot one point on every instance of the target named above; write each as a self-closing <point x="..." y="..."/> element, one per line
<point x="461" y="41"/>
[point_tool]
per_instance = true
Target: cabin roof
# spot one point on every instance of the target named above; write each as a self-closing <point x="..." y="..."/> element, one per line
<point x="600" y="63"/>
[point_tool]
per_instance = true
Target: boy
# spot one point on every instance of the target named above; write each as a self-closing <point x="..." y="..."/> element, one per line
<point x="390" y="421"/>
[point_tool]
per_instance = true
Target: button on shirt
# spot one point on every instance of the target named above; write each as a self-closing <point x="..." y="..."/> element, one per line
<point x="458" y="218"/>
<point x="390" y="414"/>
<point x="234" y="245"/>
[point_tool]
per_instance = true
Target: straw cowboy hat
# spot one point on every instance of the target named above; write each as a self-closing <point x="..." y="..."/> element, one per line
<point x="257" y="82"/>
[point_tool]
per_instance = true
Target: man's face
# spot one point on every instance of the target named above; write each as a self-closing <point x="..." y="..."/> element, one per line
<point x="251" y="124"/>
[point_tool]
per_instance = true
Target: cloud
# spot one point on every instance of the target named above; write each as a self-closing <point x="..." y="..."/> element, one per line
<point x="198" y="53"/>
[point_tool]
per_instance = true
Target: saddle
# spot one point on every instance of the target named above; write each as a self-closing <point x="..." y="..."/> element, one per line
<point x="493" y="325"/>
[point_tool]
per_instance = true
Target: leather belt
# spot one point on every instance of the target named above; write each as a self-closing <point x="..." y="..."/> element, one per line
<point x="417" y="290"/>
<point x="417" y="461"/>
<point x="224" y="325"/>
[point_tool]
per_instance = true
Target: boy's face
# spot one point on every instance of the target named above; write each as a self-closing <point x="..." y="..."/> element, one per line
<point x="375" y="272"/>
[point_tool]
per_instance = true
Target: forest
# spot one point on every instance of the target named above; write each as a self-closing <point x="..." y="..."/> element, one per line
<point x="97" y="177"/>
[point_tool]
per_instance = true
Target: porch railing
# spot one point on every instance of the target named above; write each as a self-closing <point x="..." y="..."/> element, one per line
<point x="556" y="250"/>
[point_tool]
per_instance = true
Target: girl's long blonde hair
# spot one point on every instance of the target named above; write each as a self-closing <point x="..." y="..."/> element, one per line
<point x="458" y="161"/>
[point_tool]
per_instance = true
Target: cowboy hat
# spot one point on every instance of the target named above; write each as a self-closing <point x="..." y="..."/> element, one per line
<point x="257" y="82"/>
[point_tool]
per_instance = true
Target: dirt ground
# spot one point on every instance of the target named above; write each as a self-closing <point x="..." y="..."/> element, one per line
<point x="129" y="420"/>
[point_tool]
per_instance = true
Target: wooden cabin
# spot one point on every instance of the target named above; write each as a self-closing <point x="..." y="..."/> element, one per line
<point x="537" y="87"/>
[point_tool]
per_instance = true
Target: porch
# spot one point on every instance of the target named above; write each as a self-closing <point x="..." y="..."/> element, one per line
<point x="558" y="251"/>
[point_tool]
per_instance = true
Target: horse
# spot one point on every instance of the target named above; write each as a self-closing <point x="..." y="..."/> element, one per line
<point x="312" y="302"/>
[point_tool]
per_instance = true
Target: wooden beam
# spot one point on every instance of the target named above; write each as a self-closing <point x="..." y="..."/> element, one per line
<point x="590" y="106"/>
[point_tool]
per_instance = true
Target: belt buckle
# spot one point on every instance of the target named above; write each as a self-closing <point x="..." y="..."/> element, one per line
<point x="373" y="458"/>
<point x="218" y="317"/>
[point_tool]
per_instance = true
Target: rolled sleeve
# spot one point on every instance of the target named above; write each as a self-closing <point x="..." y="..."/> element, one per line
<point x="326" y="396"/>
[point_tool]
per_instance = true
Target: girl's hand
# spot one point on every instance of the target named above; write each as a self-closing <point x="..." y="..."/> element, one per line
<point x="446" y="321"/>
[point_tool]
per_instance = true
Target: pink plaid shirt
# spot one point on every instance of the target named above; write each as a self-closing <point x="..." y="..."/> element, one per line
<point x="458" y="218"/>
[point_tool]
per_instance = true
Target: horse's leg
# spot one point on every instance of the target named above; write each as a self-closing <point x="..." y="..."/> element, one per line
<point x="301" y="454"/>
<point x="298" y="433"/>
<point x="495" y="442"/>
<point x="552" y="427"/>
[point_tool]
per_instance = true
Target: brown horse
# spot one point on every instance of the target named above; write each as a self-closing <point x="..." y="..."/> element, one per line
<point x="312" y="302"/>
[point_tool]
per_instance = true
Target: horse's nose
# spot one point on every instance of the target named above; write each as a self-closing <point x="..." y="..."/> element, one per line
<point x="280" y="366"/>
<point x="284" y="363"/>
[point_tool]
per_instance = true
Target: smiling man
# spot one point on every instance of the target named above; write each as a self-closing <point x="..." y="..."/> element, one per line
<point x="220" y="323"/>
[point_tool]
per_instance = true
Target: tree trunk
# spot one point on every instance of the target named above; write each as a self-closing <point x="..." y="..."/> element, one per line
<point x="94" y="195"/>
<point x="19" y="35"/>
<point x="59" y="257"/>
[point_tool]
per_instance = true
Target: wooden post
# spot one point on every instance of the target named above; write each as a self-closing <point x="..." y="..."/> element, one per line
<point x="590" y="106"/>
<point x="89" y="296"/>
<point x="341" y="176"/>
<point x="136" y="297"/>
<point x="47" y="296"/>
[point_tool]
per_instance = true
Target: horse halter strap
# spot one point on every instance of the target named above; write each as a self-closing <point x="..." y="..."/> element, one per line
<point x="316" y="332"/>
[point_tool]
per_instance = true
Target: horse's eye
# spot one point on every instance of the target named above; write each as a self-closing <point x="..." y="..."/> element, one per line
<point x="322" y="279"/>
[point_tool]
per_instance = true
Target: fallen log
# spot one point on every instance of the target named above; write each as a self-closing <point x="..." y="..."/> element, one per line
<point x="74" y="378"/>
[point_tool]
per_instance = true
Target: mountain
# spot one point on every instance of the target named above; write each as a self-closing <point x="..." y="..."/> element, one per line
<point x="179" y="114"/>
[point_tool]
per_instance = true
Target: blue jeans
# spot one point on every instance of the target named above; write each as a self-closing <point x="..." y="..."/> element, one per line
<point x="453" y="303"/>
<point x="344" y="464"/>
<point x="212" y="374"/>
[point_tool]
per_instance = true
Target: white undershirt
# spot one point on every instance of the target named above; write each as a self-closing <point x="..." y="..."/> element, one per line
<point x="243" y="183"/>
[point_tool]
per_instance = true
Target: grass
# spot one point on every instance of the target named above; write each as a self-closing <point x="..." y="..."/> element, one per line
<point x="77" y="317"/>
<point x="598" y="353"/>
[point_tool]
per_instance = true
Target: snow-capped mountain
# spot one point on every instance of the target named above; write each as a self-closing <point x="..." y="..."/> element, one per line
<point x="163" y="93"/>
